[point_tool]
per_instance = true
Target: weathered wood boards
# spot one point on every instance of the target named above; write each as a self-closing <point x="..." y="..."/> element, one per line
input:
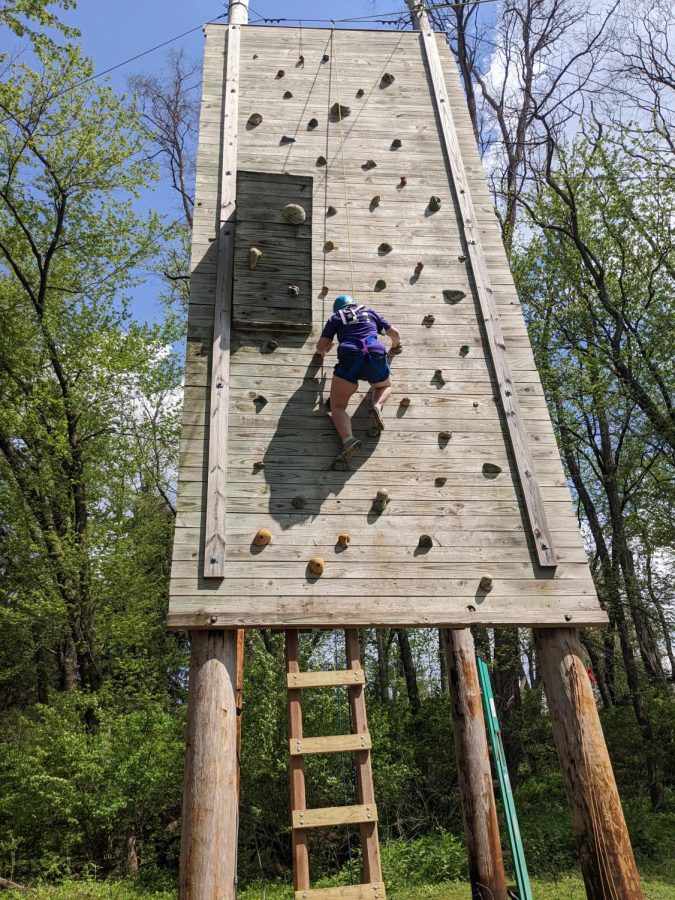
<point x="462" y="491"/>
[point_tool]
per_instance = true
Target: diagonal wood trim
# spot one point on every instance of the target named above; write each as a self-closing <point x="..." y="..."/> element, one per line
<point x="216" y="495"/>
<point x="507" y="391"/>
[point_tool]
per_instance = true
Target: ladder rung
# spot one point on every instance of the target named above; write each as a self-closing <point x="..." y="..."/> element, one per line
<point x="325" y="679"/>
<point x="334" y="815"/>
<point x="334" y="743"/>
<point x="352" y="892"/>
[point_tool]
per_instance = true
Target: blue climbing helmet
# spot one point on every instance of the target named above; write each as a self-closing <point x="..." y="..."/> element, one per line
<point x="342" y="301"/>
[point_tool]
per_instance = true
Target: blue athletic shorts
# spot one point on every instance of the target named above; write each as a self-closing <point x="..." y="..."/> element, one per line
<point x="355" y="366"/>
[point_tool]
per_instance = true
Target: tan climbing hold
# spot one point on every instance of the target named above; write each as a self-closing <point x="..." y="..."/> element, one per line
<point x="434" y="203"/>
<point x="315" y="565"/>
<point x="418" y="268"/>
<point x="253" y="256"/>
<point x="294" y="214"/>
<point x="486" y="583"/>
<point x="405" y="401"/>
<point x="263" y="537"/>
<point x="369" y="164"/>
<point x="343" y="540"/>
<point x="387" y="79"/>
<point x="254" y="119"/>
<point x="444" y="435"/>
<point x="385" y="248"/>
<point x="381" y="500"/>
<point x="339" y="111"/>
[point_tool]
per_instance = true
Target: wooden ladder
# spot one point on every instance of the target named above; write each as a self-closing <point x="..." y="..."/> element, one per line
<point x="358" y="742"/>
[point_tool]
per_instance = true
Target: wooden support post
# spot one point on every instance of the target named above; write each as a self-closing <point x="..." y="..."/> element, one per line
<point x="479" y="813"/>
<point x="605" y="853"/>
<point x="208" y="861"/>
<point x="370" y="844"/>
<point x="299" y="847"/>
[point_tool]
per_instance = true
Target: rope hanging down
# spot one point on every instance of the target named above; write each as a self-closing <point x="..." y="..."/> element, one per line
<point x="334" y="54"/>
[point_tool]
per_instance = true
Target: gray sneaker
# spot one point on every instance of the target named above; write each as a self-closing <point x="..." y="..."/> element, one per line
<point x="376" y="417"/>
<point x="351" y="446"/>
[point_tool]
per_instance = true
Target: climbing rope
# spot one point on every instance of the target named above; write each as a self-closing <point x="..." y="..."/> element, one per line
<point x="333" y="44"/>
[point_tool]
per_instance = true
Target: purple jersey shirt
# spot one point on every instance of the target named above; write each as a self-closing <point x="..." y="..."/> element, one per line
<point x="353" y="325"/>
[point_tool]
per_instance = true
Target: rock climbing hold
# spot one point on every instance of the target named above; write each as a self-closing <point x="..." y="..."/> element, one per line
<point x="253" y="256"/>
<point x="312" y="124"/>
<point x="385" y="248"/>
<point x="263" y="537"/>
<point x="475" y="404"/>
<point x="321" y="161"/>
<point x="343" y="540"/>
<point x="315" y="565"/>
<point x="440" y="481"/>
<point x="299" y="502"/>
<point x="428" y="320"/>
<point x="254" y="119"/>
<point x="301" y="62"/>
<point x="438" y="376"/>
<point x="360" y="92"/>
<point x="285" y="139"/>
<point x="328" y="246"/>
<point x="368" y="164"/>
<point x="375" y="202"/>
<point x="338" y="111"/>
<point x="271" y="346"/>
<point x="387" y="79"/>
<point x="258" y="466"/>
<point x="260" y="401"/>
<point x="255" y="56"/>
<point x="293" y="290"/>
<point x="402" y="183"/>
<point x="381" y="500"/>
<point x="444" y="435"/>
<point x="331" y="211"/>
<point x="461" y="258"/>
<point x="287" y="95"/>
<point x="485" y="583"/>
<point x="453" y="296"/>
<point x="434" y="203"/>
<point x="380" y="284"/>
<point x="280" y="73"/>
<point x="405" y="401"/>
<point x="396" y="144"/>
<point x="463" y="350"/>
<point x="418" y="269"/>
<point x="491" y="470"/>
<point x="425" y="542"/>
<point x="294" y="214"/>
<point x="325" y="58"/>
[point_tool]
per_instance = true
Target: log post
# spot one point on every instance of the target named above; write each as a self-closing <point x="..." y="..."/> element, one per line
<point x="605" y="853"/>
<point x="479" y="813"/>
<point x="208" y="859"/>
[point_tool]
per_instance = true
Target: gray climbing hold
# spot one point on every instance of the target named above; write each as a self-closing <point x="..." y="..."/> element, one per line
<point x="440" y="481"/>
<point x="369" y="164"/>
<point x="294" y="290"/>
<point x="453" y="296"/>
<point x="491" y="470"/>
<point x="287" y="95"/>
<point x="396" y="144"/>
<point x="294" y="213"/>
<point x="485" y="583"/>
<point x="254" y="120"/>
<point x="285" y="139"/>
<point x="339" y="111"/>
<point x="328" y="246"/>
<point x="312" y="124"/>
<point x="325" y="58"/>
<point x="434" y="203"/>
<point x="321" y="161"/>
<point x="425" y="542"/>
<point x="299" y="502"/>
<point x="280" y="73"/>
<point x="387" y="79"/>
<point x="381" y="500"/>
<point x="331" y="211"/>
<point x="271" y="346"/>
<point x="438" y="376"/>
<point x="360" y="92"/>
<point x="385" y="248"/>
<point x="380" y="284"/>
<point x="260" y="401"/>
<point x="428" y="320"/>
<point x="464" y="350"/>
<point x="375" y="202"/>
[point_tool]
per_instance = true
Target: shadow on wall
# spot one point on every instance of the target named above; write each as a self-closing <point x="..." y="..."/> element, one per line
<point x="298" y="462"/>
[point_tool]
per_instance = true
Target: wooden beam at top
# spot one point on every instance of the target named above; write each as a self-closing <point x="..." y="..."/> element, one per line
<point x="507" y="391"/>
<point x="216" y="496"/>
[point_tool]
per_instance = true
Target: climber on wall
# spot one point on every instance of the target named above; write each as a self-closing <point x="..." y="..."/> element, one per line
<point x="360" y="356"/>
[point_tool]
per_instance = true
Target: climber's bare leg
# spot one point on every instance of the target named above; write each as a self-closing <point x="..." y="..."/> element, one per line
<point x="341" y="391"/>
<point x="380" y="394"/>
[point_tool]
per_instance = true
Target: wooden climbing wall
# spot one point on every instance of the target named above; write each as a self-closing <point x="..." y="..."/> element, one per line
<point x="463" y="491"/>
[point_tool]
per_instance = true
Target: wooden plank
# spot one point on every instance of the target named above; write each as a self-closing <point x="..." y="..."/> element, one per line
<point x="302" y="680"/>
<point x="508" y="395"/>
<point x="214" y="533"/>
<point x="299" y="844"/>
<point x="334" y="743"/>
<point x="370" y="844"/>
<point x="349" y="892"/>
<point x="324" y="817"/>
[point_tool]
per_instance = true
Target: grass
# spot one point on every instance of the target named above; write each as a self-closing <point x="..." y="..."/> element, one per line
<point x="568" y="887"/>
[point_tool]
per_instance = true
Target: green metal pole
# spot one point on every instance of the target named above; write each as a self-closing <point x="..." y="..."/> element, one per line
<point x="495" y="738"/>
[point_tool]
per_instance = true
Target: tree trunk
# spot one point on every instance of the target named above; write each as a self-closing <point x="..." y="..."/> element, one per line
<point x="408" y="666"/>
<point x="506" y="681"/>
<point x="382" y="664"/>
<point x="445" y="677"/>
